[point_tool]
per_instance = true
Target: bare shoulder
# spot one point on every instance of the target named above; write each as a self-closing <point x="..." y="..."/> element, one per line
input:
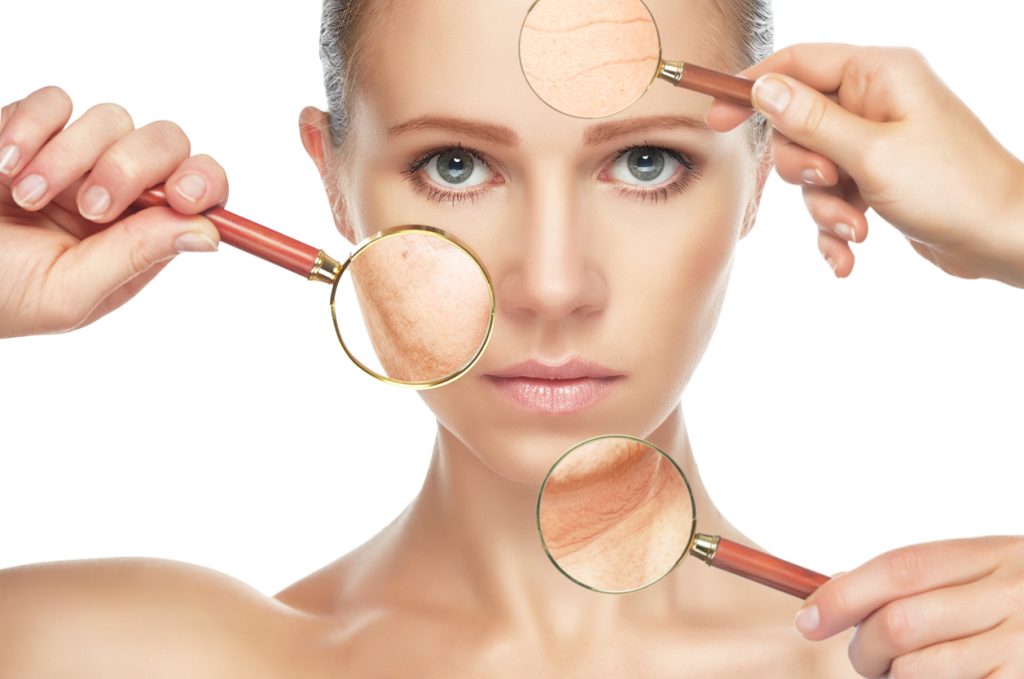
<point x="142" y="617"/>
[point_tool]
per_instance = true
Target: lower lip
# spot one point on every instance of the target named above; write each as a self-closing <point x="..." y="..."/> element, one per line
<point x="554" y="397"/>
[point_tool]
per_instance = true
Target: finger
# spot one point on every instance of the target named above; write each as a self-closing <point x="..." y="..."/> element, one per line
<point x="69" y="155"/>
<point x="6" y="112"/>
<point x="198" y="184"/>
<point x="104" y="262"/>
<point x="32" y="123"/>
<point x="837" y="254"/>
<point x="819" y="65"/>
<point x="131" y="164"/>
<point x="972" y="657"/>
<point x="907" y="625"/>
<point x="834" y="215"/>
<point x="723" y="116"/>
<point x="814" y="121"/>
<point x="797" y="165"/>
<point x="844" y="601"/>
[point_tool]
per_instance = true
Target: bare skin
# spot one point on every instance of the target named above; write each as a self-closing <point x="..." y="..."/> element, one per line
<point x="458" y="584"/>
<point x="384" y="610"/>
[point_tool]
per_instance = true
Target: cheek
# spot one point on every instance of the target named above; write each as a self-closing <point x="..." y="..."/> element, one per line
<point x="425" y="303"/>
<point x="672" y="284"/>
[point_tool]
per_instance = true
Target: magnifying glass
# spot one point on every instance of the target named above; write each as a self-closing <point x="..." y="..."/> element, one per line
<point x="594" y="58"/>
<point x="616" y="514"/>
<point x="411" y="306"/>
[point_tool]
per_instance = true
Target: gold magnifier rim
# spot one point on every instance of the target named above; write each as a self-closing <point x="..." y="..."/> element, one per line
<point x="654" y="74"/>
<point x="689" y="490"/>
<point x="435" y="232"/>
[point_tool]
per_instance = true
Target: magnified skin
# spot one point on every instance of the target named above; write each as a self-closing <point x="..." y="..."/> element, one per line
<point x="616" y="515"/>
<point x="589" y="58"/>
<point x="425" y="303"/>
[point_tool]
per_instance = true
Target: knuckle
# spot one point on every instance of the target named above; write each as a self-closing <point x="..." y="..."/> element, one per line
<point x="170" y="134"/>
<point x="912" y="56"/>
<point x="115" y="116"/>
<point x="895" y="626"/>
<point x="53" y="96"/>
<point x="118" y="161"/>
<point x="1015" y="595"/>
<point x="904" y="567"/>
<point x="906" y="667"/>
<point x="812" y="116"/>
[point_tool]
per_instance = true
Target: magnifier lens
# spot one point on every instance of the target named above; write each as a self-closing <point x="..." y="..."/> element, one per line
<point x="589" y="58"/>
<point x="615" y="514"/>
<point x="413" y="307"/>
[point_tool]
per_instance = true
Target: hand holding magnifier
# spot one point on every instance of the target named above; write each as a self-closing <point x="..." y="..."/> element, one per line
<point x="426" y="300"/>
<point x="616" y="514"/>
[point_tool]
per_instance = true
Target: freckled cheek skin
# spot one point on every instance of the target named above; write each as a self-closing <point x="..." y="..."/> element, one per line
<point x="425" y="303"/>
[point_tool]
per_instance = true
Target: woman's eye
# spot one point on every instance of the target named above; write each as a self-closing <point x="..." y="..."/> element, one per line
<point x="644" y="166"/>
<point x="456" y="167"/>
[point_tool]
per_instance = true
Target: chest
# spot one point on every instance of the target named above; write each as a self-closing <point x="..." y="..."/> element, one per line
<point x="447" y="652"/>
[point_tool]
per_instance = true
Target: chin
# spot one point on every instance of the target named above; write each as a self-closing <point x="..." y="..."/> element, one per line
<point x="520" y="446"/>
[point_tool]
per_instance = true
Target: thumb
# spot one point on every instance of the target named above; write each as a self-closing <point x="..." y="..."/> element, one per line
<point x="106" y="260"/>
<point x="812" y="120"/>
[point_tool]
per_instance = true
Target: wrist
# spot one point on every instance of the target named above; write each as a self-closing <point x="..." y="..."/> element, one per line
<point x="1007" y="248"/>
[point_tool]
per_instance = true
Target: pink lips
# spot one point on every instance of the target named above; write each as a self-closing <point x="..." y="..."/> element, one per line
<point x="554" y="389"/>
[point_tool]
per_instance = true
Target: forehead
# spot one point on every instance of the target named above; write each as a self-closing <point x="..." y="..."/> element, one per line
<point x="460" y="58"/>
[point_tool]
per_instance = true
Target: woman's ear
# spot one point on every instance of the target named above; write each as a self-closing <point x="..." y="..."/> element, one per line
<point x="314" y="129"/>
<point x="764" y="169"/>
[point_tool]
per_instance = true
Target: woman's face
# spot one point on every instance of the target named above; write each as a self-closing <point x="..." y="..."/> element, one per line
<point x="608" y="241"/>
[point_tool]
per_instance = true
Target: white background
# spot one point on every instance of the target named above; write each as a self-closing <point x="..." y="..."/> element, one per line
<point x="832" y="419"/>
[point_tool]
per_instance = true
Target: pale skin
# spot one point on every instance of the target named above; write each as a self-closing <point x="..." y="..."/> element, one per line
<point x="457" y="585"/>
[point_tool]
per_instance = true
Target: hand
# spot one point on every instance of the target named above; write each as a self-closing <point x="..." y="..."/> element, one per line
<point x="943" y="610"/>
<point x="67" y="253"/>
<point x="891" y="136"/>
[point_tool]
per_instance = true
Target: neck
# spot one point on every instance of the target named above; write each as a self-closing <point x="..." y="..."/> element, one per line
<point x="474" y="534"/>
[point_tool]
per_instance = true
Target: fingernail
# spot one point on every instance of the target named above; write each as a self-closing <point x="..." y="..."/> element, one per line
<point x="831" y="263"/>
<point x="191" y="187"/>
<point x="194" y="242"/>
<point x="771" y="95"/>
<point x="845" y="231"/>
<point x="813" y="177"/>
<point x="807" y="619"/>
<point x="9" y="157"/>
<point x="29" y="190"/>
<point x="95" y="202"/>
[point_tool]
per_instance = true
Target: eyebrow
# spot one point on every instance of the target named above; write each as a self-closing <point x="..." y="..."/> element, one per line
<point x="599" y="134"/>
<point x="506" y="136"/>
<point x="497" y="134"/>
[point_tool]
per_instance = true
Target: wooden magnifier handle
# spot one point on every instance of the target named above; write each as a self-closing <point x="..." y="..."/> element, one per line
<point x="749" y="563"/>
<point x="707" y="81"/>
<point x="259" y="240"/>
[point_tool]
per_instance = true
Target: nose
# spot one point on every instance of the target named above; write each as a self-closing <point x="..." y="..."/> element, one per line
<point x="552" y="273"/>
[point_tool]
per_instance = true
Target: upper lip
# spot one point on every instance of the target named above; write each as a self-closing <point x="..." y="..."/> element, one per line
<point x="573" y="369"/>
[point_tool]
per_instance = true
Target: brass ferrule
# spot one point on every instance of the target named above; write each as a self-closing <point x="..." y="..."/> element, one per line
<point x="326" y="269"/>
<point x="672" y="71"/>
<point x="705" y="547"/>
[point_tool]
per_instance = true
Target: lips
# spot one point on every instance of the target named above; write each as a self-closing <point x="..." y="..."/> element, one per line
<point x="562" y="389"/>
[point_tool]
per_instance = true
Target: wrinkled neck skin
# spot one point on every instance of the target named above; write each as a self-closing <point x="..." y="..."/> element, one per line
<point x="474" y="535"/>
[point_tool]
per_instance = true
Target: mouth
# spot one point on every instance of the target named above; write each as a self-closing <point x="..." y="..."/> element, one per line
<point x="537" y="387"/>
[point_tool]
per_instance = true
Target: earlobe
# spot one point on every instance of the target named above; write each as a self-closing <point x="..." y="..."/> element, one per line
<point x="313" y="130"/>
<point x="764" y="168"/>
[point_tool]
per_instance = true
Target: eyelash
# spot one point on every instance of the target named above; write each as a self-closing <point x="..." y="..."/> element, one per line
<point x="437" y="194"/>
